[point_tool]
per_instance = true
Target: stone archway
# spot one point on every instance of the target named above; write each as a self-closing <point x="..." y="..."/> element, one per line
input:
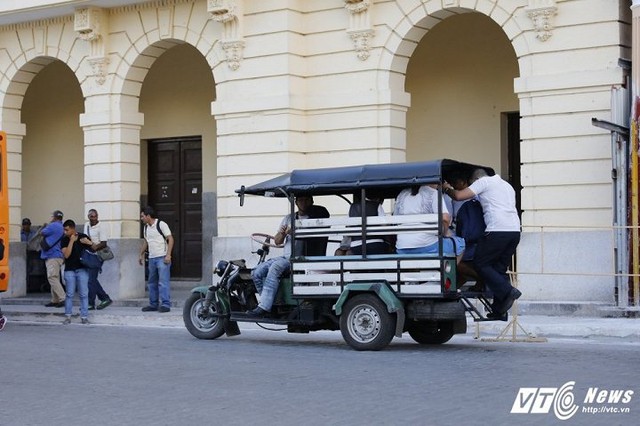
<point x="414" y="24"/>
<point x="175" y="99"/>
<point x="416" y="20"/>
<point x="460" y="77"/>
<point x="52" y="149"/>
<point x="57" y="87"/>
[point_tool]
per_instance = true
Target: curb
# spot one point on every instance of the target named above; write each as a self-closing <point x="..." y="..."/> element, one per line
<point x="526" y="326"/>
<point x="115" y="316"/>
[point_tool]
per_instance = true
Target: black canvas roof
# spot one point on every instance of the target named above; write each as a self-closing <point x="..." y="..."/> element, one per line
<point x="387" y="179"/>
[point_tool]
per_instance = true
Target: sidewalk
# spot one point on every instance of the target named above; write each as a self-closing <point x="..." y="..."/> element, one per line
<point x="31" y="309"/>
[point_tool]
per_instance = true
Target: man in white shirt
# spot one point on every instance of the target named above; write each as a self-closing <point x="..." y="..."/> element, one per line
<point x="502" y="235"/>
<point x="98" y="236"/>
<point x="159" y="241"/>
<point x="266" y="276"/>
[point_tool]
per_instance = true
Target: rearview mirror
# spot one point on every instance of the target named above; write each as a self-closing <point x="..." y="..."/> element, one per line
<point x="241" y="195"/>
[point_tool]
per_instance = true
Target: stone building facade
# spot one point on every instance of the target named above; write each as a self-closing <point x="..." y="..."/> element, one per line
<point x="110" y="104"/>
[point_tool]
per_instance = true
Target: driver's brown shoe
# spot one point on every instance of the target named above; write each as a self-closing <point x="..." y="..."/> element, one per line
<point x="258" y="312"/>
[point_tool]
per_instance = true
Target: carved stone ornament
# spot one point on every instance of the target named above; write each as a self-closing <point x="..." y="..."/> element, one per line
<point x="357" y="6"/>
<point x="361" y="42"/>
<point x="541" y="13"/>
<point x="99" y="68"/>
<point x="233" y="50"/>
<point x="87" y="23"/>
<point x="222" y="10"/>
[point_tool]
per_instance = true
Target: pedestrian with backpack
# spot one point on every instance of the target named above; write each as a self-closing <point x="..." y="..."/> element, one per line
<point x="51" y="252"/>
<point x="159" y="242"/>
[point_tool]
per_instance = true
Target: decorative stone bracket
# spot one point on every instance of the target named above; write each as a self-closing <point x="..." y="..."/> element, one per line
<point x="360" y="29"/>
<point x="233" y="50"/>
<point x="541" y="13"/>
<point x="91" y="24"/>
<point x="361" y="42"/>
<point x="229" y="14"/>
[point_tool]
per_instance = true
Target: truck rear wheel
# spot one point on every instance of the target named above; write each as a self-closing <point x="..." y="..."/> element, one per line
<point x="431" y="332"/>
<point x="365" y="323"/>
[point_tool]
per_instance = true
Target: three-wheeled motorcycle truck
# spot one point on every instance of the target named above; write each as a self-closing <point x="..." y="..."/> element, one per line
<point x="369" y="297"/>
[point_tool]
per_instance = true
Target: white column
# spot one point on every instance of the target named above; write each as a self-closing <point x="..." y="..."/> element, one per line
<point x="112" y="186"/>
<point x="112" y="163"/>
<point x="15" y="133"/>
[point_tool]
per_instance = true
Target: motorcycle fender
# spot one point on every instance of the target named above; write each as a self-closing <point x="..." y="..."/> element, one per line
<point x="382" y="290"/>
<point x="222" y="300"/>
<point x="201" y="289"/>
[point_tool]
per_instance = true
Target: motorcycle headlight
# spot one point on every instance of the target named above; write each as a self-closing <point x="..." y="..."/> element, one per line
<point x="220" y="267"/>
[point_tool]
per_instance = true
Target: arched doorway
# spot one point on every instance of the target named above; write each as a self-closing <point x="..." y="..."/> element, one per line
<point x="178" y="170"/>
<point x="52" y="175"/>
<point x="52" y="149"/>
<point x="463" y="105"/>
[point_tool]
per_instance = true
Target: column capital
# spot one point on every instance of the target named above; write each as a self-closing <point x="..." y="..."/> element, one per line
<point x="109" y="119"/>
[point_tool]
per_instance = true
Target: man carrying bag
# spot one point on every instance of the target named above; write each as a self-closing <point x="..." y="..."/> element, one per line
<point x="98" y="236"/>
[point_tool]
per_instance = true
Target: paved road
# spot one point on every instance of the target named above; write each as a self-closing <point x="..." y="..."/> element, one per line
<point x="103" y="375"/>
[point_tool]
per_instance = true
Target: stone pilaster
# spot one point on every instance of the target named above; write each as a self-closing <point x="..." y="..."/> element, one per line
<point x="15" y="133"/>
<point x="112" y="186"/>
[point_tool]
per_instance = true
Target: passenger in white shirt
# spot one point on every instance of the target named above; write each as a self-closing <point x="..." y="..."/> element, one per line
<point x="424" y="200"/>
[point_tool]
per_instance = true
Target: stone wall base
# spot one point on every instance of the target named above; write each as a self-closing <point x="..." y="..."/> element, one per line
<point x="121" y="277"/>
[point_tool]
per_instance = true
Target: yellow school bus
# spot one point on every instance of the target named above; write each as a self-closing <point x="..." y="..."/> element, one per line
<point x="4" y="215"/>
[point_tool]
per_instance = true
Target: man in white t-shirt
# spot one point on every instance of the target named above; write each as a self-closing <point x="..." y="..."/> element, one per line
<point x="98" y="236"/>
<point x="266" y="276"/>
<point x="502" y="235"/>
<point x="159" y="241"/>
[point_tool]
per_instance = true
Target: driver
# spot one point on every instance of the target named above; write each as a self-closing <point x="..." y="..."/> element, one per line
<point x="266" y="276"/>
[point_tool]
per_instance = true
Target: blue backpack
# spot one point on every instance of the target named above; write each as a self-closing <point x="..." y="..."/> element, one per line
<point x="470" y="225"/>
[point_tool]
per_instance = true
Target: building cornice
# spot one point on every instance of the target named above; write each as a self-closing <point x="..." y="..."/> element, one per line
<point x="69" y="18"/>
<point x="38" y="23"/>
<point x="142" y="6"/>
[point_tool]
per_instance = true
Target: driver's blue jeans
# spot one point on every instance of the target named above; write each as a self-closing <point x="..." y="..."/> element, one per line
<point x="266" y="277"/>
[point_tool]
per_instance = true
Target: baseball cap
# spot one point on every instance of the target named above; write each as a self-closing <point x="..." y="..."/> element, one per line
<point x="57" y="214"/>
<point x="26" y="221"/>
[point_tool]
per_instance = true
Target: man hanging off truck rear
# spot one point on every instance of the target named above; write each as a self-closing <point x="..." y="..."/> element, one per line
<point x="496" y="248"/>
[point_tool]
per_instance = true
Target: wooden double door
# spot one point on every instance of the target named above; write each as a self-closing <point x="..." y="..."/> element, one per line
<point x="175" y="192"/>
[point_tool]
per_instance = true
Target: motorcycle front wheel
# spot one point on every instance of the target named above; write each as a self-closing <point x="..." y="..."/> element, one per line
<point x="203" y="325"/>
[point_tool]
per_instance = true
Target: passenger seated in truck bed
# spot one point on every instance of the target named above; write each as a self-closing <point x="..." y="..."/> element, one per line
<point x="376" y="244"/>
<point x="424" y="200"/>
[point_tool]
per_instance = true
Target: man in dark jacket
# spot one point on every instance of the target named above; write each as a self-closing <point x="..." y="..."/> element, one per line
<point x="76" y="275"/>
